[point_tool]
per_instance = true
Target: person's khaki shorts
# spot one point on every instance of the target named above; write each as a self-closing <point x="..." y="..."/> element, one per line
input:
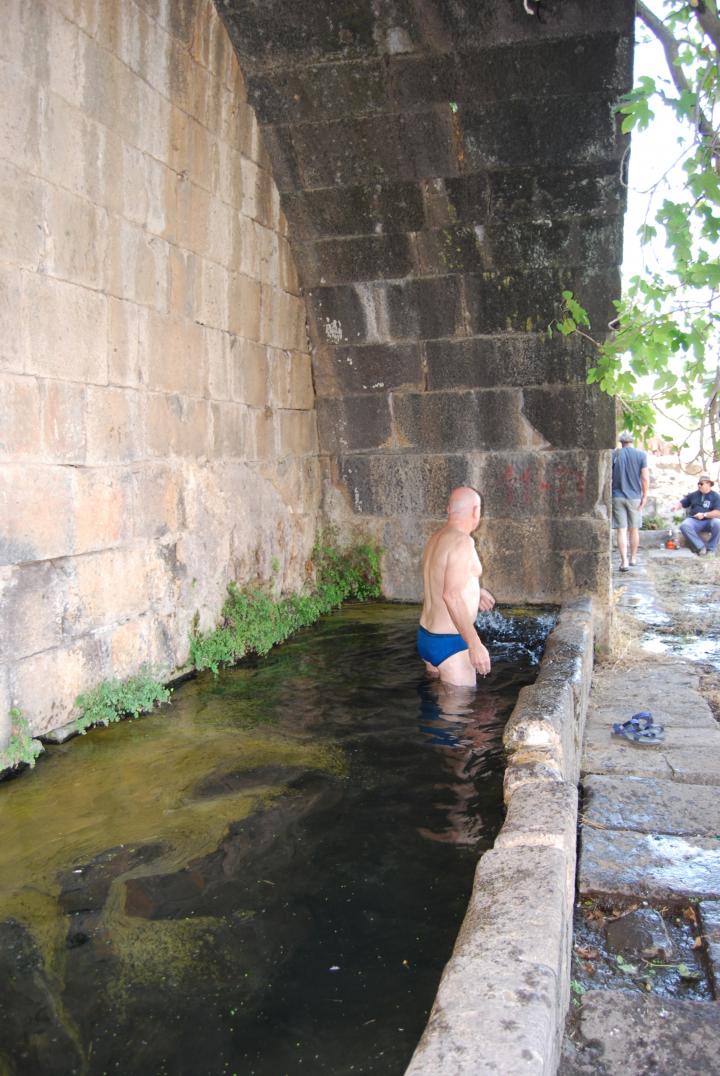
<point x="626" y="512"/>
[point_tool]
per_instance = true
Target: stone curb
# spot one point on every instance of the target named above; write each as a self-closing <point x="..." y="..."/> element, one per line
<point x="504" y="993"/>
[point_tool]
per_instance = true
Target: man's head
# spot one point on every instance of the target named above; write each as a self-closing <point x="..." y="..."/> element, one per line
<point x="626" y="438"/>
<point x="705" y="483"/>
<point x="464" y="508"/>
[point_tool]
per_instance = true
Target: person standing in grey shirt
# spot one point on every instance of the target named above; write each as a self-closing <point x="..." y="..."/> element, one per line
<point x="629" y="493"/>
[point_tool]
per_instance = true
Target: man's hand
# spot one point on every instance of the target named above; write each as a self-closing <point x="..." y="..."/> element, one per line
<point x="479" y="658"/>
<point x="487" y="602"/>
<point x="699" y="515"/>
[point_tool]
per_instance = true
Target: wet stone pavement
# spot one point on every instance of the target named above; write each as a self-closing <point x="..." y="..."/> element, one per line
<point x="646" y="960"/>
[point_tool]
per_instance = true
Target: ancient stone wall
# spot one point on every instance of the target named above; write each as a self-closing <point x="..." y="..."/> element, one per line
<point x="158" y="433"/>
<point x="447" y="168"/>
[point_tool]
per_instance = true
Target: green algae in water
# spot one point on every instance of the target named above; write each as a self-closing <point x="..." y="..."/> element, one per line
<point x="239" y="884"/>
<point x="92" y="794"/>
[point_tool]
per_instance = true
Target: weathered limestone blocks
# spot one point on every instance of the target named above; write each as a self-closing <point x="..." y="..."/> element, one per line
<point x="158" y="429"/>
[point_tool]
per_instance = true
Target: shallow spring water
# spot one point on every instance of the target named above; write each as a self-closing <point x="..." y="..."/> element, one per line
<point x="266" y="878"/>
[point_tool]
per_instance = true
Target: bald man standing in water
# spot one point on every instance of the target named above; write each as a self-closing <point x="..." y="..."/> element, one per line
<point x="446" y="639"/>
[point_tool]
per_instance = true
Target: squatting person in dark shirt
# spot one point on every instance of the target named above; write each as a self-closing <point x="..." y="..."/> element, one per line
<point x="703" y="515"/>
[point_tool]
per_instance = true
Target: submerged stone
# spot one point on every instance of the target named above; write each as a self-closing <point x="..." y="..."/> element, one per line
<point x="640" y="933"/>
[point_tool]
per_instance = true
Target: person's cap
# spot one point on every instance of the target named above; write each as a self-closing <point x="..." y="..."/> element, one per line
<point x="706" y="478"/>
<point x="626" y="437"/>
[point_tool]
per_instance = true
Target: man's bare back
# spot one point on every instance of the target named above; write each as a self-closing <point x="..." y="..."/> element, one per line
<point x="447" y="639"/>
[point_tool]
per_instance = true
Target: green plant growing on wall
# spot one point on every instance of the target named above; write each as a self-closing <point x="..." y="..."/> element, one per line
<point x="253" y="620"/>
<point x="22" y="749"/>
<point x="667" y="326"/>
<point x="114" y="699"/>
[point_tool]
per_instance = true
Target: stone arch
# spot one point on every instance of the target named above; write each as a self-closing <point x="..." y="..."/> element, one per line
<point x="447" y="168"/>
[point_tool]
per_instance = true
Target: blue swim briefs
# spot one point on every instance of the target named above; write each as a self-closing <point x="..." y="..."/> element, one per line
<point x="438" y="648"/>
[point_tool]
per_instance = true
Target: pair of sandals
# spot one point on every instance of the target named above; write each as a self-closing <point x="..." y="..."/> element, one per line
<point x="640" y="728"/>
<point x="628" y="566"/>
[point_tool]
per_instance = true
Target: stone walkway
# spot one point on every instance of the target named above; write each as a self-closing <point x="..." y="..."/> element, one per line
<point x="650" y="832"/>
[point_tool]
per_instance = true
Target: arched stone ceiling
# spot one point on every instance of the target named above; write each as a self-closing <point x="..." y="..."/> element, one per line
<point x="447" y="168"/>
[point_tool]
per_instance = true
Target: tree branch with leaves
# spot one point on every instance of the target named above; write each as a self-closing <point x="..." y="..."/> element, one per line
<point x="667" y="325"/>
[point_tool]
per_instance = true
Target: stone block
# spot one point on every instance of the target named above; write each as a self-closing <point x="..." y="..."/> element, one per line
<point x="297" y="433"/>
<point x="249" y="372"/>
<point x="138" y="265"/>
<point x="411" y="484"/>
<point x="217" y="360"/>
<point x="517" y="194"/>
<point x="70" y="669"/>
<point x="130" y="646"/>
<point x="20" y="122"/>
<point x="113" y="424"/>
<point x="22" y="239"/>
<point x="353" y="423"/>
<point x="475" y="26"/>
<point x="274" y="309"/>
<point x="13" y="331"/>
<point x="337" y="261"/>
<point x="542" y="68"/>
<point x="281" y="150"/>
<point x="127" y="345"/>
<point x="285" y="35"/>
<point x="544" y="719"/>
<point x="390" y="147"/>
<point x="359" y="210"/>
<point x="525" y="133"/>
<point x="244" y="307"/>
<point x="176" y="357"/>
<point x="343" y="314"/>
<point x="150" y="191"/>
<point x="554" y="484"/>
<point x="420" y="308"/>
<point x="112" y="585"/>
<point x="458" y="421"/>
<point x="19" y="417"/>
<point x="158" y="505"/>
<point x="710" y="925"/>
<point x="290" y="380"/>
<point x="654" y="867"/>
<point x="63" y="415"/>
<point x="623" y="1031"/>
<point x="542" y="814"/>
<point x="261" y="441"/>
<point x="231" y="429"/>
<point x="646" y="805"/>
<point x="577" y="416"/>
<point x="101" y="507"/>
<point x="34" y="521"/>
<point x="521" y="359"/>
<point x="76" y="243"/>
<point x="176" y="425"/>
<point x="415" y="81"/>
<point x="317" y="92"/>
<point x="66" y="330"/>
<point x="340" y="371"/>
<point x="32" y="601"/>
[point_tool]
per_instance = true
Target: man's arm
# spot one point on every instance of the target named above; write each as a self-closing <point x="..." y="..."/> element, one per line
<point x="645" y="484"/>
<point x="458" y="571"/>
<point x="487" y="602"/>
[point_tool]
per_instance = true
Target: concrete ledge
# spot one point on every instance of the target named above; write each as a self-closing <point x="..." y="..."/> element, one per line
<point x="504" y="993"/>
